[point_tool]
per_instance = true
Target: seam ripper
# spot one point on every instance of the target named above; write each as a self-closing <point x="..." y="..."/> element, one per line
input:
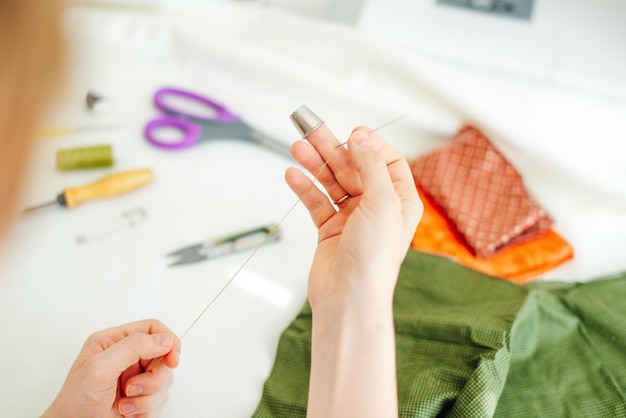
<point x="112" y="185"/>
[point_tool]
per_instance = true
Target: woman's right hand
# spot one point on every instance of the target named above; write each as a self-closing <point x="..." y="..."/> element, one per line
<point x="362" y="240"/>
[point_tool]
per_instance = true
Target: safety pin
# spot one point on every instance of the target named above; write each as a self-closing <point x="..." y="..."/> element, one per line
<point x="212" y="248"/>
<point x="127" y="219"/>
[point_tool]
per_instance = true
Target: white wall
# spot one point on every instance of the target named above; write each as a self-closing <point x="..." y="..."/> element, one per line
<point x="314" y="8"/>
<point x="340" y="10"/>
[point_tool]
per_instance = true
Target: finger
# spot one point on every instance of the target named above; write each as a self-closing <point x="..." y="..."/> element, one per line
<point x="337" y="159"/>
<point x="404" y="183"/>
<point x="369" y="148"/>
<point x="104" y="339"/>
<point x="398" y="167"/>
<point x="127" y="374"/>
<point x="382" y="147"/>
<point x="309" y="158"/>
<point x="149" y="383"/>
<point x="372" y="168"/>
<point x="317" y="203"/>
<point x="171" y="359"/>
<point x="138" y="389"/>
<point x="130" y="350"/>
<point x="148" y="405"/>
<point x="402" y="179"/>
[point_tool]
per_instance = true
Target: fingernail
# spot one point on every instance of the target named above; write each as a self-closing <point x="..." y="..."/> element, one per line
<point x="126" y="408"/>
<point x="134" y="390"/>
<point x="361" y="138"/>
<point x="165" y="339"/>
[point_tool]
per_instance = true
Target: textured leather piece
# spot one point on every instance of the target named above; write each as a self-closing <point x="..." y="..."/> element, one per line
<point x="481" y="193"/>
<point x="517" y="263"/>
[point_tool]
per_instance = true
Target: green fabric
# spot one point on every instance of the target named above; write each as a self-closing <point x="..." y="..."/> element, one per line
<point x="469" y="345"/>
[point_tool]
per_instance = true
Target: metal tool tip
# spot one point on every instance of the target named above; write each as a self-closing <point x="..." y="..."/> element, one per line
<point x="37" y="207"/>
<point x="305" y="120"/>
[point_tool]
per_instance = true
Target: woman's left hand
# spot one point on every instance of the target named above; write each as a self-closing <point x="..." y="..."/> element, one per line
<point x="122" y="371"/>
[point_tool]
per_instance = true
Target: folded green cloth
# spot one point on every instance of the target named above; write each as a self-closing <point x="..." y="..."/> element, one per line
<point x="469" y="345"/>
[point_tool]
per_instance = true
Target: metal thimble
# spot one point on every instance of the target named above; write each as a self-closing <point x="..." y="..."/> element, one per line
<point x="305" y="120"/>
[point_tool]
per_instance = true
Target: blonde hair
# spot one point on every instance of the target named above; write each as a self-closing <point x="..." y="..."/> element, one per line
<point x="31" y="57"/>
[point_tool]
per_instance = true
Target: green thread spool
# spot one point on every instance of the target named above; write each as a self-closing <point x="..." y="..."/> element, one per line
<point x="85" y="157"/>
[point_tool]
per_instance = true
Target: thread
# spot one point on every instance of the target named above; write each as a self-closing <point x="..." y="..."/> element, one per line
<point x="156" y="361"/>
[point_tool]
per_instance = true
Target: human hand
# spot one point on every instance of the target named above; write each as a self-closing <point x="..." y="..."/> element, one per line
<point x="362" y="240"/>
<point x="122" y="371"/>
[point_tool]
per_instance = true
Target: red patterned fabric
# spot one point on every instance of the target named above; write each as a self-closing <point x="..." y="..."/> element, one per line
<point x="481" y="193"/>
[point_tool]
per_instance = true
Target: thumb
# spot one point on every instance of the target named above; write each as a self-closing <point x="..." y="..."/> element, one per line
<point x="370" y="165"/>
<point x="133" y="348"/>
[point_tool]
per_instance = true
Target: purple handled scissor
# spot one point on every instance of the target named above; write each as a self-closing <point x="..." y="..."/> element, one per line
<point x="221" y="124"/>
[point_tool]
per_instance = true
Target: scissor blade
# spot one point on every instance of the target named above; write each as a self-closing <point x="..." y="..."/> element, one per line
<point x="226" y="130"/>
<point x="190" y="249"/>
<point x="188" y="259"/>
<point x="217" y="247"/>
<point x="196" y="253"/>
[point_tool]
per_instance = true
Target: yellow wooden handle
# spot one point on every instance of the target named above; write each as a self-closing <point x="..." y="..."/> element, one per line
<point x="108" y="186"/>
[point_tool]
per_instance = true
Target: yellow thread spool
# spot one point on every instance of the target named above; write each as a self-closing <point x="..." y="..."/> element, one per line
<point x="84" y="157"/>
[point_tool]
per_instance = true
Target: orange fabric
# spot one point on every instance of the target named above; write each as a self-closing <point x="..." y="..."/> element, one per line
<point x="517" y="263"/>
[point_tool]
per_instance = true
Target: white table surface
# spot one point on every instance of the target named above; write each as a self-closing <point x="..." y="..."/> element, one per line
<point x="262" y="63"/>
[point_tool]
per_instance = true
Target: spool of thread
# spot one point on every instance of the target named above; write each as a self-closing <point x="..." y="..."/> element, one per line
<point x="85" y="157"/>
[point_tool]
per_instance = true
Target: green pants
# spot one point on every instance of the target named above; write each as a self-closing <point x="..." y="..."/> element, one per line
<point x="469" y="345"/>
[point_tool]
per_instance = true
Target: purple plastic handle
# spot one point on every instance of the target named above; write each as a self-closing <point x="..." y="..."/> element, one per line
<point x="191" y="132"/>
<point x="222" y="114"/>
<point x="182" y="120"/>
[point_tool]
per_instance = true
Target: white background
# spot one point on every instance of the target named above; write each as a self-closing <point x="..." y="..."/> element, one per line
<point x="262" y="62"/>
